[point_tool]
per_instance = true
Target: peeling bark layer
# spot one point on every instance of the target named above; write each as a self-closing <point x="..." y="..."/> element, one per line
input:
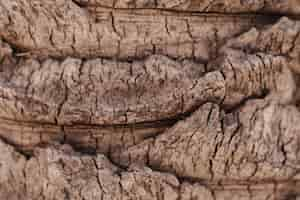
<point x="49" y="28"/>
<point x="63" y="174"/>
<point x="155" y="92"/>
<point x="149" y="99"/>
<point x="258" y="142"/>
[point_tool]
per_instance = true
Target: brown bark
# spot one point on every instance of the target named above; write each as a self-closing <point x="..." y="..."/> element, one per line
<point x="149" y="99"/>
<point x="219" y="6"/>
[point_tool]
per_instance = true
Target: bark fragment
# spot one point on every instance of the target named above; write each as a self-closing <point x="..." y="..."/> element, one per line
<point x="157" y="90"/>
<point x="61" y="28"/>
<point x="98" y="92"/>
<point x="257" y="143"/>
<point x="61" y="173"/>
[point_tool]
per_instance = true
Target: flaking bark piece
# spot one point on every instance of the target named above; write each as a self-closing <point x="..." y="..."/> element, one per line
<point x="257" y="143"/>
<point x="61" y="28"/>
<point x="57" y="172"/>
<point x="127" y="95"/>
<point x="99" y="91"/>
<point x="281" y="38"/>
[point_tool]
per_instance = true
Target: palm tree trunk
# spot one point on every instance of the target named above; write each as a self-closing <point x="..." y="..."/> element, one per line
<point x="149" y="99"/>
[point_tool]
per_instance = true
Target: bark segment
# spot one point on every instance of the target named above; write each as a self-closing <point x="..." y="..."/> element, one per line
<point x="258" y="142"/>
<point x="60" y="173"/>
<point x="61" y="28"/>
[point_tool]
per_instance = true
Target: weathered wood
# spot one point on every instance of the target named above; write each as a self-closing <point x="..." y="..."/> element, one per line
<point x="189" y="99"/>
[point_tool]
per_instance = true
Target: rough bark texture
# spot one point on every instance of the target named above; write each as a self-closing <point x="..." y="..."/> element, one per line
<point x="149" y="99"/>
<point x="219" y="6"/>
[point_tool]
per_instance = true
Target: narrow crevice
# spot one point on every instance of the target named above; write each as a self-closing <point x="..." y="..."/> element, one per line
<point x="236" y="107"/>
<point x="189" y="12"/>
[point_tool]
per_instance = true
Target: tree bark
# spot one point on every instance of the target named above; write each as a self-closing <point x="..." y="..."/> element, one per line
<point x="149" y="99"/>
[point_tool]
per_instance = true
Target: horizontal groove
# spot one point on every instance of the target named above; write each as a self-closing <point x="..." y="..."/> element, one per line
<point x="228" y="183"/>
<point x="164" y="11"/>
<point x="168" y="11"/>
<point x="149" y="124"/>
